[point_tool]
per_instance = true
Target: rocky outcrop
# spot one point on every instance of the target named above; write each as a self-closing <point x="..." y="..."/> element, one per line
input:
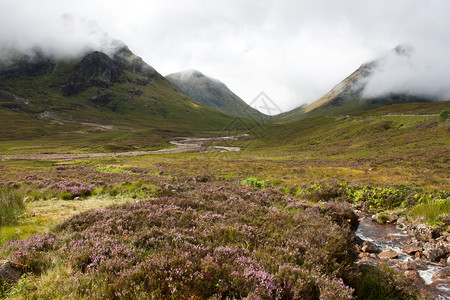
<point x="412" y="248"/>
<point x="29" y="65"/>
<point x="95" y="69"/>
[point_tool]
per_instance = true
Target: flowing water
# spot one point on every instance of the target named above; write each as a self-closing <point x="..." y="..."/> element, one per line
<point x="389" y="236"/>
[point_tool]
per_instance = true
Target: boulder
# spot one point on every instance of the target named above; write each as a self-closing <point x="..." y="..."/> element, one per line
<point x="412" y="248"/>
<point x="10" y="272"/>
<point x="414" y="275"/>
<point x="417" y="264"/>
<point x="370" y="247"/>
<point x="393" y="218"/>
<point x="388" y="254"/>
<point x="401" y="221"/>
<point x="368" y="261"/>
<point x="363" y="254"/>
<point x="442" y="274"/>
<point x="424" y="233"/>
<point x="434" y="252"/>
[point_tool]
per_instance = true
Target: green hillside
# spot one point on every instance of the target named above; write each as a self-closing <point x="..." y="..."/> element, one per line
<point x="213" y="93"/>
<point x="95" y="101"/>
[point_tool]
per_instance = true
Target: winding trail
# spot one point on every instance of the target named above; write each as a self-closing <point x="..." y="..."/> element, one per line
<point x="183" y="145"/>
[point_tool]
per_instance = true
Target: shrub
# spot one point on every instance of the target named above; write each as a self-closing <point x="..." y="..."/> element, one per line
<point x="383" y="283"/>
<point x="434" y="210"/>
<point x="254" y="182"/>
<point x="69" y="189"/>
<point x="443" y="116"/>
<point x="11" y="203"/>
<point x="212" y="239"/>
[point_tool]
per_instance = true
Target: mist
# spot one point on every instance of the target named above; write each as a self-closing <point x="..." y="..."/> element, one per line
<point x="60" y="37"/>
<point x="420" y="70"/>
<point x="294" y="51"/>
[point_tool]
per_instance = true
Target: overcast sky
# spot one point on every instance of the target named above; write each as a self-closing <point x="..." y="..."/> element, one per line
<point x="294" y="51"/>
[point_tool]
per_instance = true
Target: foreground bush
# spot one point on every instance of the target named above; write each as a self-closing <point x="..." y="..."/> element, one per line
<point x="212" y="239"/>
<point x="209" y="240"/>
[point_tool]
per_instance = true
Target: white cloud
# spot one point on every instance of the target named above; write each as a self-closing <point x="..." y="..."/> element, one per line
<point x="295" y="50"/>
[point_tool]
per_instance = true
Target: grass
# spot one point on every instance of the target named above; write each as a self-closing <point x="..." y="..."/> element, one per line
<point x="11" y="204"/>
<point x="298" y="176"/>
<point x="109" y="169"/>
<point x="433" y="210"/>
<point x="41" y="215"/>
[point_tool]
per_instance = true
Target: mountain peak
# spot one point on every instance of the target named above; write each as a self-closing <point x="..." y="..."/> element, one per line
<point x="403" y="50"/>
<point x="187" y="74"/>
<point x="211" y="92"/>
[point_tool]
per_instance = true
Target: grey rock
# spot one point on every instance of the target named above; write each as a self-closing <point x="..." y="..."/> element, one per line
<point x="401" y="221"/>
<point x="442" y="274"/>
<point x="370" y="247"/>
<point x="417" y="264"/>
<point x="412" y="248"/>
<point x="424" y="233"/>
<point x="10" y="272"/>
<point x="388" y="254"/>
<point x="434" y="252"/>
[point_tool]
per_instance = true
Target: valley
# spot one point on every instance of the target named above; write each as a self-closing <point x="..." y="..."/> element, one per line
<point x="119" y="183"/>
<point x="264" y="207"/>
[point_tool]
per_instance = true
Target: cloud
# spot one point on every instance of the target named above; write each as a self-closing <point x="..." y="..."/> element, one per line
<point x="294" y="51"/>
<point x="63" y="36"/>
<point x="421" y="71"/>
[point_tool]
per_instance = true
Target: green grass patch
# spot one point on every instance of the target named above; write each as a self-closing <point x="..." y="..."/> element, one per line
<point x="109" y="169"/>
<point x="433" y="210"/>
<point x="11" y="204"/>
<point x="254" y="182"/>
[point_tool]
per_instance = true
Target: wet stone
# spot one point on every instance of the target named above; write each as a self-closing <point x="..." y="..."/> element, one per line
<point x="388" y="254"/>
<point x="412" y="248"/>
<point x="363" y="254"/>
<point x="417" y="264"/>
<point x="434" y="252"/>
<point x="413" y="274"/>
<point x="370" y="247"/>
<point x="442" y="274"/>
<point x="424" y="233"/>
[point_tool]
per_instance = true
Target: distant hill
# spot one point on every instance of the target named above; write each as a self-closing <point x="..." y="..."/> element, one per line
<point x="112" y="99"/>
<point x="348" y="95"/>
<point x="212" y="93"/>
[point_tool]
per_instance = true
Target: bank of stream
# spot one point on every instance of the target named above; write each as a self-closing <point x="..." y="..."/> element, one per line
<point x="182" y="145"/>
<point x="395" y="241"/>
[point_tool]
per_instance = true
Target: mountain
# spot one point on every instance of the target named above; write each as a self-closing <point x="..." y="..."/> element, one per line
<point x="349" y="96"/>
<point x="96" y="99"/>
<point x="212" y="93"/>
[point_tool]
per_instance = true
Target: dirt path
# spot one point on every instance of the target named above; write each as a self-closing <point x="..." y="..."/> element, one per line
<point x="183" y="145"/>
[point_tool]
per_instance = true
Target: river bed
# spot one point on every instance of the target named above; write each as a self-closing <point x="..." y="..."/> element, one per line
<point x="389" y="236"/>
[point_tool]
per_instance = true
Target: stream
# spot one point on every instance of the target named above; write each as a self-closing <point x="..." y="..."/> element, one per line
<point x="389" y="236"/>
<point x="183" y="145"/>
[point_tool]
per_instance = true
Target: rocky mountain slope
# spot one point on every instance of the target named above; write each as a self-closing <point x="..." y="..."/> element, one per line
<point x="212" y="93"/>
<point x="43" y="96"/>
